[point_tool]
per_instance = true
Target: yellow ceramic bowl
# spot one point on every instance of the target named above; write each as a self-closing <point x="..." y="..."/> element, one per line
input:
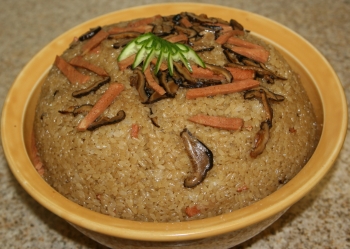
<point x="319" y="79"/>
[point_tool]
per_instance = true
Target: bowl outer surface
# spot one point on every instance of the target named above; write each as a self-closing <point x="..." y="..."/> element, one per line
<point x="18" y="112"/>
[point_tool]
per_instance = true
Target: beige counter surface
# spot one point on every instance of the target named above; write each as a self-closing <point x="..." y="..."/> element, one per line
<point x="319" y="220"/>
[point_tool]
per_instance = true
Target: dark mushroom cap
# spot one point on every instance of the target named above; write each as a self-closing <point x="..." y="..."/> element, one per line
<point x="107" y="121"/>
<point x="201" y="158"/>
<point x="89" y="34"/>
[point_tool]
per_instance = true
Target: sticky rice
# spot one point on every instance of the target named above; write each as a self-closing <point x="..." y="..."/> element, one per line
<point x="111" y="171"/>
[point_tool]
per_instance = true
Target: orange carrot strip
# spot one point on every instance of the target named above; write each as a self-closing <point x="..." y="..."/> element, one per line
<point x="141" y="29"/>
<point x="241" y="74"/>
<point x="238" y="86"/>
<point x="248" y="49"/>
<point x="205" y="73"/>
<point x="95" y="50"/>
<point x="101" y="105"/>
<point x="34" y="156"/>
<point x="243" y="188"/>
<point x="152" y="83"/>
<point x="135" y="130"/>
<point x="79" y="61"/>
<point x="223" y="38"/>
<point x="242" y="43"/>
<point x="257" y="54"/>
<point x="177" y="38"/>
<point x="144" y="21"/>
<point x="94" y="41"/>
<point x="163" y="65"/>
<point x="184" y="21"/>
<point x="73" y="75"/>
<point x="218" y="122"/>
<point x="192" y="211"/>
<point x="123" y="64"/>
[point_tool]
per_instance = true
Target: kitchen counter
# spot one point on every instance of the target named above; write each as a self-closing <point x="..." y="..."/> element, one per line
<point x="319" y="220"/>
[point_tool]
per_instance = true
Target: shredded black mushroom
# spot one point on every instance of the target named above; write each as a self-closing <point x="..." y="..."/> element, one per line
<point x="201" y="159"/>
<point x="75" y="110"/>
<point x="236" y="25"/>
<point x="190" y="81"/>
<point x="121" y="43"/>
<point x="189" y="32"/>
<point x="261" y="139"/>
<point x="200" y="18"/>
<point x="124" y="35"/>
<point x="162" y="28"/>
<point x="139" y="82"/>
<point x="168" y="83"/>
<point x="123" y="38"/>
<point x="155" y="96"/>
<point x="256" y="92"/>
<point x="232" y="58"/>
<point x="90" y="89"/>
<point x="89" y="34"/>
<point x="265" y="96"/>
<point x="220" y="70"/>
<point x="107" y="121"/>
<point x="204" y="49"/>
<point x="154" y="120"/>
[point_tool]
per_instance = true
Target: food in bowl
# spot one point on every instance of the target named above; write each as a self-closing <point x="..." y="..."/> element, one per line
<point x="171" y="118"/>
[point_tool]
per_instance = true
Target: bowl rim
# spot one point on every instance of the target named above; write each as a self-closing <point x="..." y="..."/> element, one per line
<point x="332" y="139"/>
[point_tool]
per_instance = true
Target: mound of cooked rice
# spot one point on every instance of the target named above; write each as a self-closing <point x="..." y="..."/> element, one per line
<point x="142" y="178"/>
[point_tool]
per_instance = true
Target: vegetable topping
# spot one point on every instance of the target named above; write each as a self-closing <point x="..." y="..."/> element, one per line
<point x="201" y="158"/>
<point x="166" y="54"/>
<point x="148" y="46"/>
<point x="107" y="98"/>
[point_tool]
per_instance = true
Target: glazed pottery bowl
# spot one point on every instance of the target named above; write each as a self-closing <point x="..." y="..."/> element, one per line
<point x="224" y="231"/>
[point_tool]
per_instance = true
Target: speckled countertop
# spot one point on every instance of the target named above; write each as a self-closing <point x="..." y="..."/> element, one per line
<point x="319" y="220"/>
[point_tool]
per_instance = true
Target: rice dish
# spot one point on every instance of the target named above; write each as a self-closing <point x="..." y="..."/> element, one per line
<point x="135" y="168"/>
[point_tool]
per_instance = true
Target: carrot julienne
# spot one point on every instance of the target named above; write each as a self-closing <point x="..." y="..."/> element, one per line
<point x="94" y="41"/>
<point x="260" y="55"/>
<point x="144" y="21"/>
<point x="242" y="43"/>
<point x="125" y="63"/>
<point x="241" y="74"/>
<point x="73" y="75"/>
<point x="142" y="29"/>
<point x="237" y="86"/>
<point x="225" y="123"/>
<point x="205" y="73"/>
<point x="177" y="38"/>
<point x="248" y="49"/>
<point x="79" y="61"/>
<point x="192" y="211"/>
<point x="152" y="83"/>
<point x="135" y="130"/>
<point x="224" y="37"/>
<point x="184" y="21"/>
<point x="34" y="156"/>
<point x="101" y="105"/>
